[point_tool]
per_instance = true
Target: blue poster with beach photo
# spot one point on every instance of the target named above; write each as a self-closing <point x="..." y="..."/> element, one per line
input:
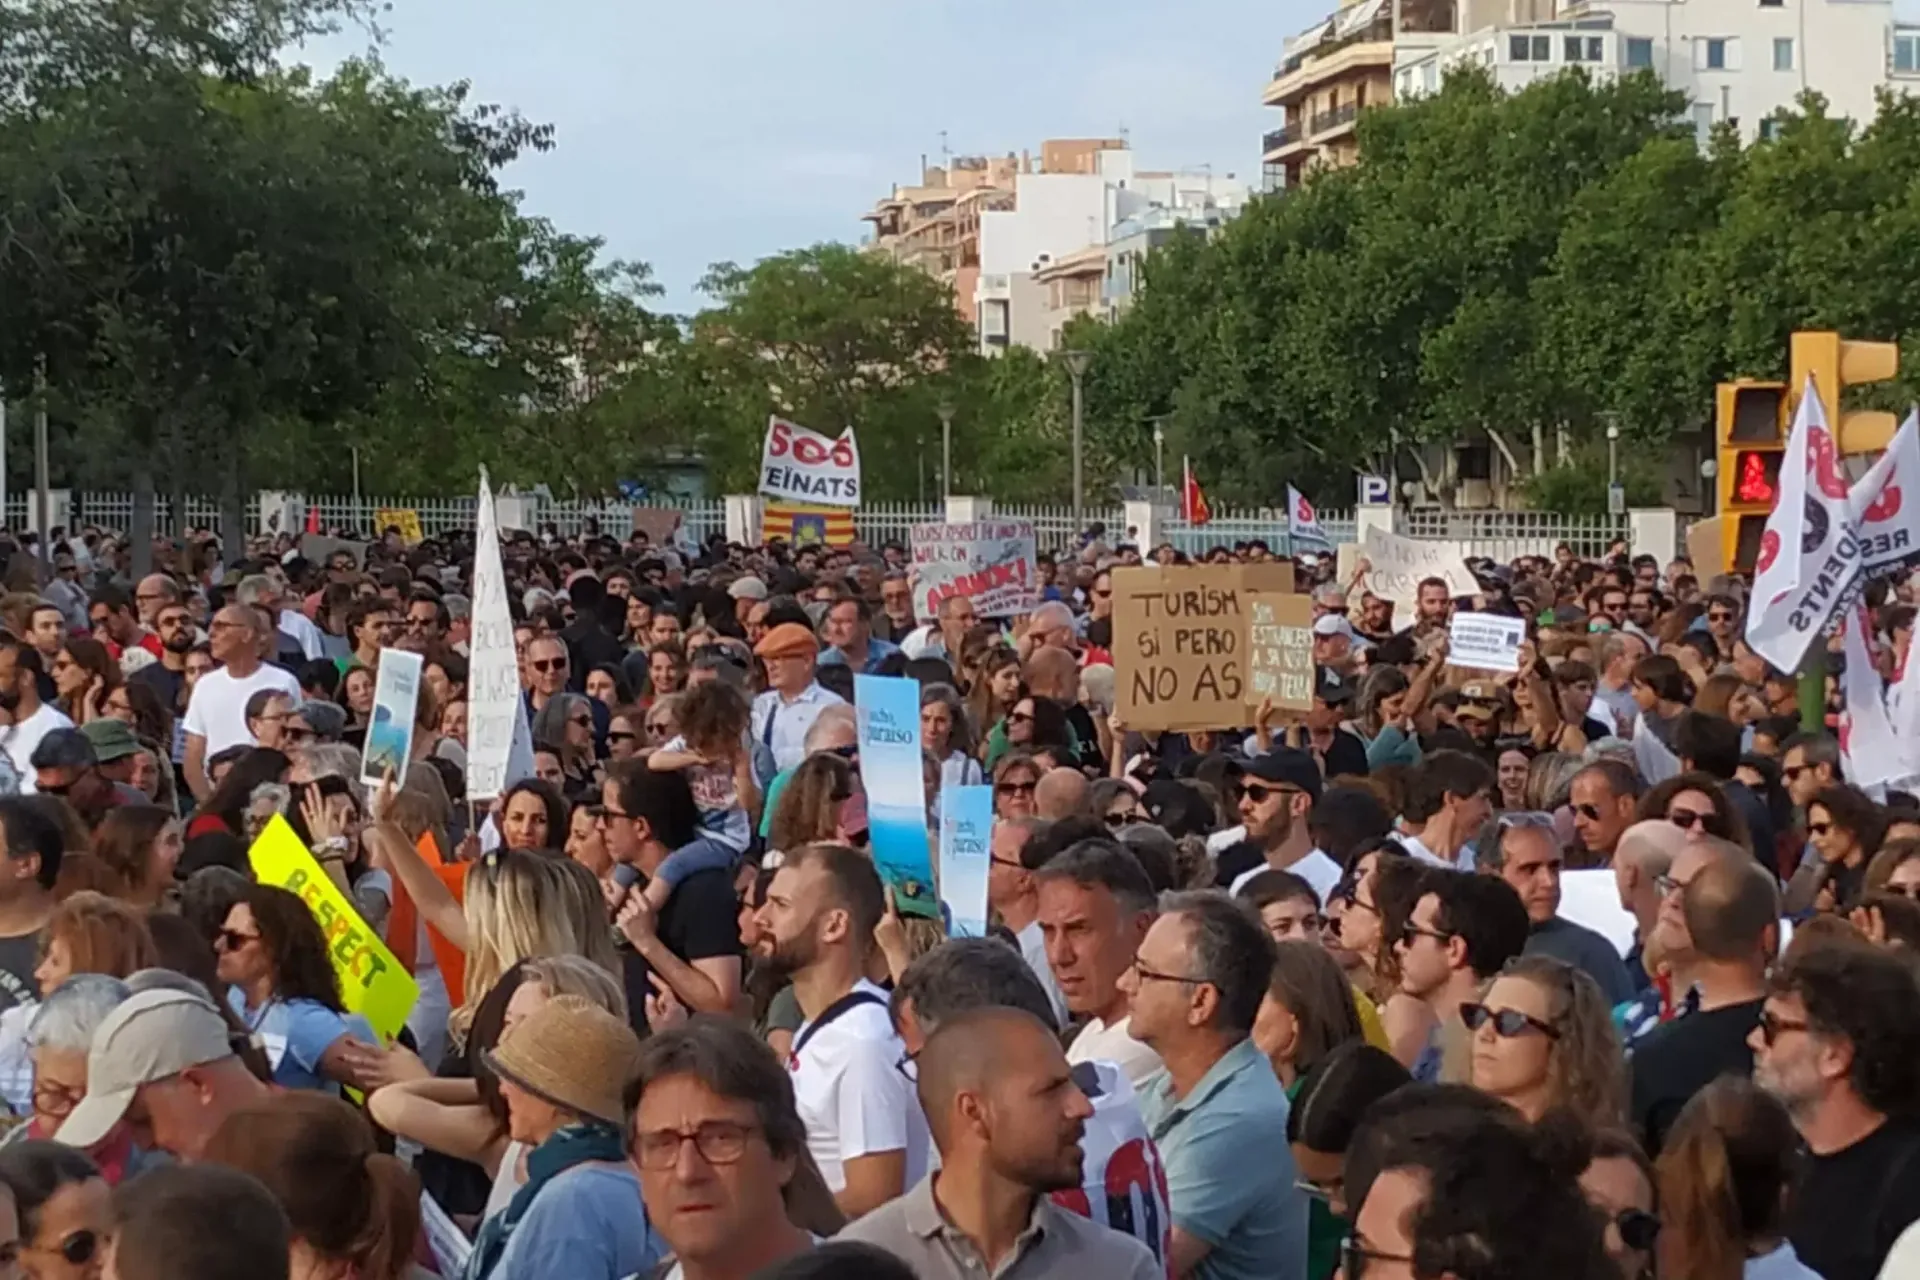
<point x="966" y="835"/>
<point x="888" y="708"/>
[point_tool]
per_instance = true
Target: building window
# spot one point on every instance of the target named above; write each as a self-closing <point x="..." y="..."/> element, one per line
<point x="1783" y="53"/>
<point x="1517" y="47"/>
<point x="1716" y="53"/>
<point x="1406" y="84"/>
<point x="1596" y="48"/>
<point x="1543" y="48"/>
<point x="1906" y="54"/>
<point x="1585" y="48"/>
<point x="1430" y="77"/>
<point x="1769" y="129"/>
<point x="1475" y="461"/>
<point x="1574" y="46"/>
<point x="1639" y="53"/>
<point x="1773" y="4"/>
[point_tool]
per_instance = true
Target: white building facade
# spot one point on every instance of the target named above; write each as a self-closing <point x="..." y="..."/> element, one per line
<point x="1737" y="61"/>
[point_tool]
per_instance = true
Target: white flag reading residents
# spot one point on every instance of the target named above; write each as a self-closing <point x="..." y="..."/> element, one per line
<point x="1903" y="710"/>
<point x="1886" y="505"/>
<point x="1869" y="754"/>
<point x="1809" y="559"/>
<point x="1303" y="522"/>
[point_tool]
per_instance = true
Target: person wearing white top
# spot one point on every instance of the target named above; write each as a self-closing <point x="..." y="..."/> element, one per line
<point x="31" y="718"/>
<point x="217" y="712"/>
<point x="1278" y="792"/>
<point x="794" y="700"/>
<point x="863" y="1119"/>
<point x="1095" y="904"/>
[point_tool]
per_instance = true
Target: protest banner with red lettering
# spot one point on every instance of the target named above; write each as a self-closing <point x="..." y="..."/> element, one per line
<point x="991" y="562"/>
<point x="1885" y="505"/>
<point x="1181" y="642"/>
<point x="798" y="465"/>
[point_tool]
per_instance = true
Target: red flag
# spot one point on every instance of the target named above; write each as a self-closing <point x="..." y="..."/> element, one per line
<point x="1193" y="503"/>
<point x="313" y="518"/>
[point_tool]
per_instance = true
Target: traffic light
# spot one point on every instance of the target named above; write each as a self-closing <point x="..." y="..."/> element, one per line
<point x="1836" y="364"/>
<point x="1750" y="433"/>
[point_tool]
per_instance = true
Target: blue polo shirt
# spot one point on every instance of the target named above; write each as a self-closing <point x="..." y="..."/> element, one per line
<point x="1230" y="1173"/>
<point x="878" y="651"/>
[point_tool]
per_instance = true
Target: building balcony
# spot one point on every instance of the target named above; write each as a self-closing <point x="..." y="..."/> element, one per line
<point x="1277" y="141"/>
<point x="1367" y="49"/>
<point x="1338" y="120"/>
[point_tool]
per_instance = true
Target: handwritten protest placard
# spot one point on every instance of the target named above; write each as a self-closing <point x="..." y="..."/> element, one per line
<point x="1486" y="641"/>
<point x="991" y="562"/>
<point x="1280" y="650"/>
<point x="798" y="465"/>
<point x="1180" y="642"/>
<point x="1401" y="564"/>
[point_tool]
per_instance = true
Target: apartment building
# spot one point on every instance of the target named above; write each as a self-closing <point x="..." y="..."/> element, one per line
<point x="1737" y="61"/>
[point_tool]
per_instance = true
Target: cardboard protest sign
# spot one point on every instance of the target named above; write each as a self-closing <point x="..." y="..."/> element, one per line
<point x="373" y="982"/>
<point x="1280" y="650"/>
<point x="1180" y="642"/>
<point x="799" y="465"/>
<point x="660" y="524"/>
<point x="991" y="562"/>
<point x="318" y="548"/>
<point x="1486" y="641"/>
<point x="1400" y="564"/>
<point x="405" y="519"/>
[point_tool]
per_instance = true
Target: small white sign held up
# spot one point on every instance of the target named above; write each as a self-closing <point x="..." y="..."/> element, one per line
<point x="1486" y="641"/>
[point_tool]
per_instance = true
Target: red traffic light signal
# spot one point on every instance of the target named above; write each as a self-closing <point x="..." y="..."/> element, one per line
<point x="1756" y="477"/>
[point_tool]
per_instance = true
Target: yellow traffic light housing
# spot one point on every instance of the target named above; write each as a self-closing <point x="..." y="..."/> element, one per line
<point x="1835" y="363"/>
<point x="1750" y="436"/>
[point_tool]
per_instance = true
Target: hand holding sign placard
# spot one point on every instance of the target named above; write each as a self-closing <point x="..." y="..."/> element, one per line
<point x="1280" y="650"/>
<point x="1486" y="641"/>
<point x="1180" y="642"/>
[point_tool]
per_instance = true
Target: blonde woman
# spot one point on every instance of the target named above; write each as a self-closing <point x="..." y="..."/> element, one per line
<point x="465" y="1118"/>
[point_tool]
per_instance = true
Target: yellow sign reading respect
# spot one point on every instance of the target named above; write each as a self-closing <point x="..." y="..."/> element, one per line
<point x="373" y="982"/>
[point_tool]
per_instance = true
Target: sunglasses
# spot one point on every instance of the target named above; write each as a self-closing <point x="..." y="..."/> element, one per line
<point x="233" y="939"/>
<point x="1911" y="892"/>
<point x="549" y="664"/>
<point x="1591" y="812"/>
<point x="1638" y="1229"/>
<point x="624" y="735"/>
<point x="1125" y="817"/>
<point x="1813" y="828"/>
<point x="79" y="1248"/>
<point x="1719" y="615"/>
<point x="1008" y="788"/>
<point x="580" y="722"/>
<point x="1773" y="1026"/>
<point x="1410" y="931"/>
<point x="1508" y="1024"/>
<point x="1019" y="717"/>
<point x="1260" y="795"/>
<point x="1687" y="819"/>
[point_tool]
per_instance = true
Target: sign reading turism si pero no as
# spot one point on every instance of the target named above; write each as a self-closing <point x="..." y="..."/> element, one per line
<point x="1180" y="643"/>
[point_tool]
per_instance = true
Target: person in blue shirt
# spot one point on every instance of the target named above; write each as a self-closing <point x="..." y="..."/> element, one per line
<point x="849" y="629"/>
<point x="282" y="985"/>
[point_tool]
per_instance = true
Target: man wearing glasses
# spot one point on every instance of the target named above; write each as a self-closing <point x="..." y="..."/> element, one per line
<point x="1277" y="795"/>
<point x="1461" y="933"/>
<point x="1216" y="1111"/>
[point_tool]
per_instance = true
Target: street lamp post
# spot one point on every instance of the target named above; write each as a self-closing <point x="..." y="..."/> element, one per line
<point x="1613" y="455"/>
<point x="1159" y="461"/>
<point x="945" y="410"/>
<point x="1077" y="362"/>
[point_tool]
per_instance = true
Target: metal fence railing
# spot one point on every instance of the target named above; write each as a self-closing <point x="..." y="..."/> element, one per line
<point x="1499" y="534"/>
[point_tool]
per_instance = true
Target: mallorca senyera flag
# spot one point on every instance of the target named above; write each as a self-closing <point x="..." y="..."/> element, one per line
<point x="800" y="524"/>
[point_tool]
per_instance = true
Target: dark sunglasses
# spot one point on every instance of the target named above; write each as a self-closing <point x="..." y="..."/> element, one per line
<point x="233" y="939"/>
<point x="1686" y="819"/>
<point x="1638" y="1229"/>
<point x="1813" y="828"/>
<point x="1019" y="717"/>
<point x="549" y="664"/>
<point x="79" y="1248"/>
<point x="621" y="735"/>
<point x="1720" y="615"/>
<point x="1260" y="795"/>
<point x="1508" y="1024"/>
<point x="1120" y="818"/>
<point x="1773" y="1026"/>
<point x="1911" y="892"/>
<point x="1590" y="812"/>
<point x="1014" y="788"/>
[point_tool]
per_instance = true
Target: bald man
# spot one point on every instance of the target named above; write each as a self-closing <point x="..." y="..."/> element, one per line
<point x="1645" y="853"/>
<point x="1719" y="928"/>
<point x="1007" y="1116"/>
<point x="1061" y="793"/>
<point x="153" y="593"/>
<point x="1055" y="675"/>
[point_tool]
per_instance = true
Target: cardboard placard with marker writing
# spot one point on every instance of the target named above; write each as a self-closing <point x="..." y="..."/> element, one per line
<point x="1180" y="642"/>
<point x="1280" y="650"/>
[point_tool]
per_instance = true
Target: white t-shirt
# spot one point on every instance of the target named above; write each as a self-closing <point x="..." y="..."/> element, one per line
<point x="1123" y="1185"/>
<point x="22" y="738"/>
<point x="1316" y="868"/>
<point x="1098" y="1042"/>
<point x="1417" y="848"/>
<point x="852" y="1094"/>
<point x="218" y="709"/>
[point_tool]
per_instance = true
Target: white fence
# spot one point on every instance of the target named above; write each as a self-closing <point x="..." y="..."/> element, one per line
<point x="1501" y="535"/>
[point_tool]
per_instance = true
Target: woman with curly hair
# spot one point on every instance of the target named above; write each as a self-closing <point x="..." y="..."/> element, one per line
<point x="282" y="985"/>
<point x="1543" y="1039"/>
<point x="808" y="810"/>
<point x="1698" y="805"/>
<point x="1845" y="828"/>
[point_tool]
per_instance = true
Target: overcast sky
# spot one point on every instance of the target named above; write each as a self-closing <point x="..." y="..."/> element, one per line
<point x="691" y="133"/>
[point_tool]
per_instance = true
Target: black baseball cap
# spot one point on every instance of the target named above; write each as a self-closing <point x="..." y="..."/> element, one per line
<point x="1330" y="687"/>
<point x="1286" y="766"/>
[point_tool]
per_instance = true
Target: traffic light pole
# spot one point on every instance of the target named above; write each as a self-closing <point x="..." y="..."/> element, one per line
<point x="1813" y="687"/>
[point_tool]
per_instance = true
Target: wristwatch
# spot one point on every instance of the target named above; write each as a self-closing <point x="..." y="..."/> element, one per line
<point x="332" y="849"/>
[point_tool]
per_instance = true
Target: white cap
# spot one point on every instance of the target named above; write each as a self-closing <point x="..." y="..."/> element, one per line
<point x="147" y="1038"/>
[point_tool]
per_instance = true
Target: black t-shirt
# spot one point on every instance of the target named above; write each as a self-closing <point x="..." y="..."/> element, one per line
<point x="1852" y="1205"/>
<point x="19" y="955"/>
<point x="1346" y="756"/>
<point x="1678" y="1060"/>
<point x="700" y="921"/>
<point x="167" y="684"/>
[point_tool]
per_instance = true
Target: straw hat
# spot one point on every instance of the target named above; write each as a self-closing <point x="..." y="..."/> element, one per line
<point x="574" y="1054"/>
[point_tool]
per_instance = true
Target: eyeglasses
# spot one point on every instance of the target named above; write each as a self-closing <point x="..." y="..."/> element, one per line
<point x="608" y="814"/>
<point x="1354" y="1257"/>
<point x="1667" y="886"/>
<point x="1260" y="795"/>
<point x="908" y="1067"/>
<point x="1719" y="615"/>
<point x="1508" y="1024"/>
<point x="1154" y="975"/>
<point x="1911" y="892"/>
<point x="232" y="939"/>
<point x="1019" y="717"/>
<point x="1813" y="828"/>
<point x="1014" y="788"/>
<point x="78" y="1248"/>
<point x="55" y="1100"/>
<point x="1591" y="812"/>
<point x="1120" y="818"/>
<point x="580" y="722"/>
<point x="297" y="733"/>
<point x="1322" y="1191"/>
<point x="717" y="1141"/>
<point x="1686" y="819"/>
<point x="1773" y="1026"/>
<point x="548" y="664"/>
<point x="1410" y="931"/>
<point x="627" y="735"/>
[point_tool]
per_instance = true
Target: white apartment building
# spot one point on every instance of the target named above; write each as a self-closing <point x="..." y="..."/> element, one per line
<point x="1737" y="61"/>
<point x="1044" y="261"/>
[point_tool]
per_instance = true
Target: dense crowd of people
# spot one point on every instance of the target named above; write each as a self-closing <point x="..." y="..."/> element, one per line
<point x="1601" y="969"/>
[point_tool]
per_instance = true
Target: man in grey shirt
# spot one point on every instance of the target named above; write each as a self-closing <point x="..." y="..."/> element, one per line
<point x="1007" y="1118"/>
<point x="1527" y="856"/>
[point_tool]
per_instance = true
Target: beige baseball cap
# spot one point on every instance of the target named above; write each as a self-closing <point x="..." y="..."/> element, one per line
<point x="149" y="1037"/>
